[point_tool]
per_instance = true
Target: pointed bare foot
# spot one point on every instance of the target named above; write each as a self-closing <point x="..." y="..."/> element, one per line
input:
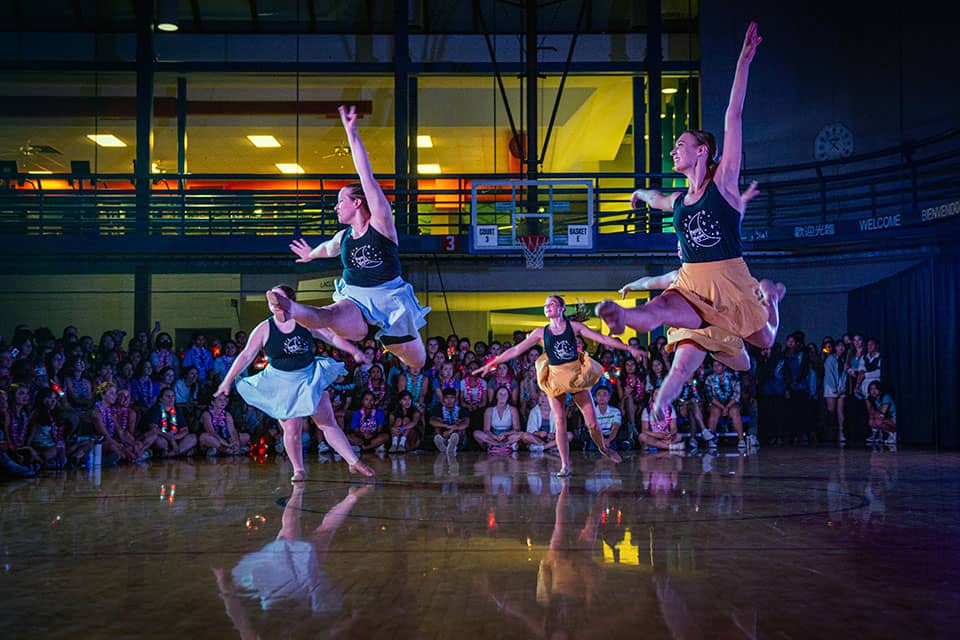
<point x="362" y="468"/>
<point x="602" y="447"/>
<point x="298" y="476"/>
<point x="279" y="304"/>
<point x="612" y="314"/>
<point x="564" y="472"/>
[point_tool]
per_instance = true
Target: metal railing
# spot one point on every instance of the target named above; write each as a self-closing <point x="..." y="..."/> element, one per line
<point x="906" y="178"/>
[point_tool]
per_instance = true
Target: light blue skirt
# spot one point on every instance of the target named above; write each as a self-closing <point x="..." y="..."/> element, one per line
<point x="290" y="394"/>
<point x="391" y="306"/>
<point x="287" y="572"/>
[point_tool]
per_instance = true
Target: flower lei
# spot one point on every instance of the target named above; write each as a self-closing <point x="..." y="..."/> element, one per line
<point x="473" y="392"/>
<point x="106" y="416"/>
<point x="219" y="421"/>
<point x="57" y="432"/>
<point x="18" y="429"/>
<point x="81" y="388"/>
<point x="414" y="388"/>
<point x="168" y="420"/>
<point x="379" y="393"/>
<point x="450" y="416"/>
<point x="368" y="421"/>
<point x="125" y="414"/>
<point x="723" y="394"/>
<point x="634" y="385"/>
<point x="146" y="391"/>
<point x="664" y="425"/>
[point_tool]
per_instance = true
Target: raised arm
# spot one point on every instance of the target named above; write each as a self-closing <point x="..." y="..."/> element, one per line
<point x="255" y="342"/>
<point x="653" y="199"/>
<point x="728" y="170"/>
<point x="613" y="343"/>
<point x="381" y="214"/>
<point x="521" y="347"/>
<point x="328" y="249"/>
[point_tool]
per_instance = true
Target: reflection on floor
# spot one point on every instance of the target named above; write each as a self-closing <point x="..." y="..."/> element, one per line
<point x="788" y="543"/>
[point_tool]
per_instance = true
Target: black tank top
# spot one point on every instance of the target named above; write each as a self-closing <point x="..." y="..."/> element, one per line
<point x="560" y="349"/>
<point x="708" y="229"/>
<point x="370" y="260"/>
<point x="289" y="351"/>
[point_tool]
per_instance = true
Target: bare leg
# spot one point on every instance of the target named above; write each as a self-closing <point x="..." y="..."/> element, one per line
<point x="342" y="317"/>
<point x="412" y="354"/>
<point x="772" y="294"/>
<point x="563" y="445"/>
<point x="294" y="447"/>
<point x="666" y="309"/>
<point x="337" y="440"/>
<point x="737" y="421"/>
<point x="688" y="357"/>
<point x="585" y="402"/>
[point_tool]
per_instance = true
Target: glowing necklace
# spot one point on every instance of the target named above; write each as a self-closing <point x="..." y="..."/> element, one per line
<point x="168" y="420"/>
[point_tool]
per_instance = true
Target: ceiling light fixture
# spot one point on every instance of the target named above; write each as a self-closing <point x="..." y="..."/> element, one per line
<point x="428" y="169"/>
<point x="424" y="142"/>
<point x="167" y="16"/>
<point x="289" y="167"/>
<point x="106" y="140"/>
<point x="263" y="142"/>
<point x="669" y="90"/>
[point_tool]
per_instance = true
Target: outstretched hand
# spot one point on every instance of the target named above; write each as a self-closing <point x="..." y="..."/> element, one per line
<point x="751" y="192"/>
<point x="625" y="289"/>
<point x="751" y="41"/>
<point x="302" y="249"/>
<point x="637" y="354"/>
<point x="223" y="390"/>
<point x="348" y="116"/>
<point x="484" y="370"/>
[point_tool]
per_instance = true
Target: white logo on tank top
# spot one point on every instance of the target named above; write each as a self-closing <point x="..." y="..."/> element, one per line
<point x="564" y="350"/>
<point x="702" y="230"/>
<point x="366" y="257"/>
<point x="295" y="345"/>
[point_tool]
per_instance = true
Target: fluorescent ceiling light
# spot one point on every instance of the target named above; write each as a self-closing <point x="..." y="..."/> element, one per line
<point x="263" y="141"/>
<point x="428" y="168"/>
<point x="424" y="142"/>
<point x="289" y="167"/>
<point x="167" y="26"/>
<point x="106" y="140"/>
<point x="669" y="90"/>
<point x="40" y="172"/>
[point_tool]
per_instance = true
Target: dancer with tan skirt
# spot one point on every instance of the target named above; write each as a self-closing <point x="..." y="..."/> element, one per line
<point x="562" y="370"/>
<point x="714" y="300"/>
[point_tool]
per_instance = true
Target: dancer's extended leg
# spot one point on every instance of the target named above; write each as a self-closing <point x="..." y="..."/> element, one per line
<point x="688" y="357"/>
<point x="773" y="294"/>
<point x="337" y="440"/>
<point x="412" y="353"/>
<point x="343" y="317"/>
<point x="563" y="445"/>
<point x="668" y="308"/>
<point x="585" y="401"/>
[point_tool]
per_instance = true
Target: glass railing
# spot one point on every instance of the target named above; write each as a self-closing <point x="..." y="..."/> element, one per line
<point x="905" y="180"/>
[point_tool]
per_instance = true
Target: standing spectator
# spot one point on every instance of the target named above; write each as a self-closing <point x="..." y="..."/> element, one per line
<point x="882" y="415"/>
<point x="163" y="356"/>
<point x="799" y="382"/>
<point x="199" y="356"/>
<point x="870" y="366"/>
<point x="855" y="366"/>
<point x="723" y="394"/>
<point x="835" y="388"/>
<point x="368" y="426"/>
<point x="449" y="423"/>
<point x="770" y="397"/>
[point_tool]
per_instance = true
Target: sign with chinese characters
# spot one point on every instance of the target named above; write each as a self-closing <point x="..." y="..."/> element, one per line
<point x="814" y="230"/>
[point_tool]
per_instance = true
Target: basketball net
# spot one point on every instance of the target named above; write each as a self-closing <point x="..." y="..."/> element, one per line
<point x="533" y="247"/>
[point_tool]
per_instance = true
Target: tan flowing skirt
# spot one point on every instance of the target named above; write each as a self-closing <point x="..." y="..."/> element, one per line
<point x="571" y="377"/>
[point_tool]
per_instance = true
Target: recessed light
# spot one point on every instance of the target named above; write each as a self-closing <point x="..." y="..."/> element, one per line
<point x="169" y="27"/>
<point x="289" y="167"/>
<point x="669" y="90"/>
<point x="106" y="140"/>
<point x="424" y="142"/>
<point x="263" y="141"/>
<point x="40" y="173"/>
<point x="428" y="168"/>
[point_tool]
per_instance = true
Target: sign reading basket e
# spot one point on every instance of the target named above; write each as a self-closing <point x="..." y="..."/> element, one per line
<point x="485" y="236"/>
<point x="578" y="236"/>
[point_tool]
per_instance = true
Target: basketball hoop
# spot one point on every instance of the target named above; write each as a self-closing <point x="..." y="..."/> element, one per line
<point x="533" y="247"/>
